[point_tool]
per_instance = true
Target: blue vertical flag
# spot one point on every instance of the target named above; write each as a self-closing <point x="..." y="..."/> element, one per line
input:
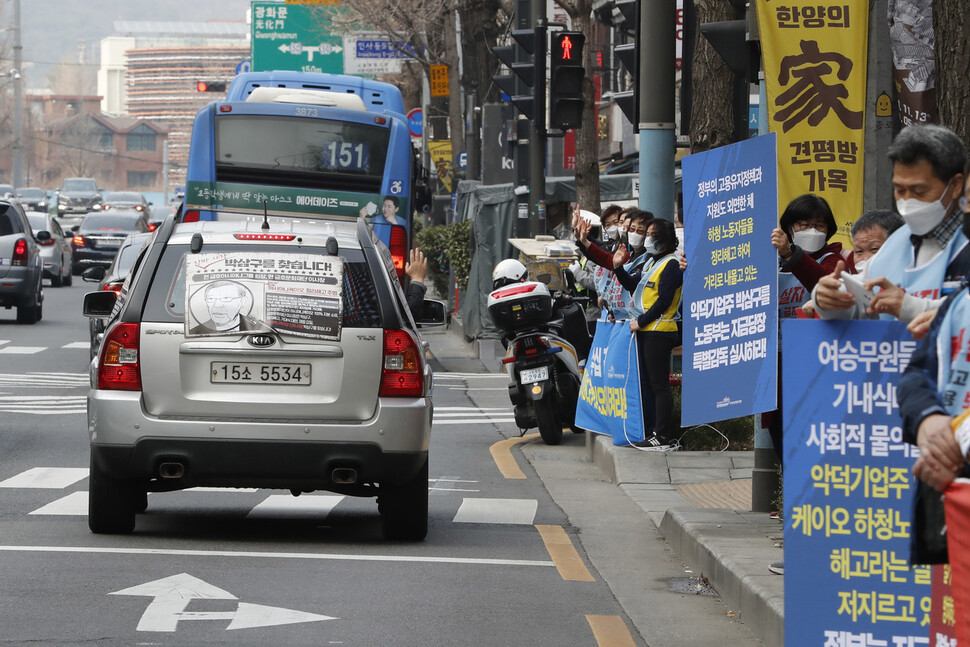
<point x="731" y="283"/>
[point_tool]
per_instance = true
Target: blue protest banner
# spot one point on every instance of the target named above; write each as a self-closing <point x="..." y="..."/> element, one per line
<point x="609" y="396"/>
<point x="731" y="283"/>
<point x="848" y="488"/>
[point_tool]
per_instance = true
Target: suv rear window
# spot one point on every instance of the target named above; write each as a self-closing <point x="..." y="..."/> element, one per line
<point x="166" y="298"/>
<point x="10" y="222"/>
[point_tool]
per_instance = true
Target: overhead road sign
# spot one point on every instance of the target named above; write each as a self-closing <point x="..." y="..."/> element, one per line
<point x="294" y="37"/>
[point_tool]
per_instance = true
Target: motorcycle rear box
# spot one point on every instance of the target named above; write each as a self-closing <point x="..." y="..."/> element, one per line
<point x="520" y="305"/>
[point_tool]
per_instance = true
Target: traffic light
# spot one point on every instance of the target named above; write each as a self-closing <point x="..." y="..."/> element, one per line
<point x="566" y="80"/>
<point x="528" y="66"/>
<point x="626" y="17"/>
<point x="210" y="86"/>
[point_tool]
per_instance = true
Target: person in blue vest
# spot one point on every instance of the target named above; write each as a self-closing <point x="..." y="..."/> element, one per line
<point x="926" y="258"/>
<point x="655" y="318"/>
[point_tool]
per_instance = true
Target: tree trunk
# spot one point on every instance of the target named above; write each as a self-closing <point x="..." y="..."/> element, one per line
<point x="587" y="149"/>
<point x="479" y="31"/>
<point x="712" y="113"/>
<point x="950" y="24"/>
<point x="456" y="97"/>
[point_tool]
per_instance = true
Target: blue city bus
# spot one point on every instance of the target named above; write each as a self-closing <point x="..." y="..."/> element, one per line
<point x="308" y="145"/>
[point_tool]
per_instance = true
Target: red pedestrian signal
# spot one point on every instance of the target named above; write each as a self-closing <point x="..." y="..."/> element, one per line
<point x="566" y="80"/>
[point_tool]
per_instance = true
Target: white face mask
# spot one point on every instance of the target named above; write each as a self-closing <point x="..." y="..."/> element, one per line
<point x="650" y="246"/>
<point x="635" y="240"/>
<point x="860" y="266"/>
<point x="810" y="240"/>
<point x="921" y="216"/>
<point x="612" y="233"/>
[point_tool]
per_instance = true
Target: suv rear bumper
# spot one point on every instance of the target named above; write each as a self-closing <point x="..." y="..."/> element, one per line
<point x="260" y="464"/>
<point x="127" y="443"/>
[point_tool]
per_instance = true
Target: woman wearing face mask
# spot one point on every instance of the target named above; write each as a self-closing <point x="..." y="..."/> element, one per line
<point x="806" y="256"/>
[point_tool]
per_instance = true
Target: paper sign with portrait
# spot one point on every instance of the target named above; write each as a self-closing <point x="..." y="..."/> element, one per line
<point x="233" y="293"/>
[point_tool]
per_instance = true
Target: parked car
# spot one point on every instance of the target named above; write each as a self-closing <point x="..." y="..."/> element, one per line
<point x="33" y="199"/>
<point x="99" y="236"/>
<point x="113" y="278"/>
<point x="57" y="251"/>
<point x="241" y="357"/>
<point x="78" y="196"/>
<point x="21" y="265"/>
<point x="126" y="200"/>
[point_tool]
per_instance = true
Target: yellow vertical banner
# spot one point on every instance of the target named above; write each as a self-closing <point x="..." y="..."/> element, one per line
<point x="814" y="54"/>
<point x="440" y="152"/>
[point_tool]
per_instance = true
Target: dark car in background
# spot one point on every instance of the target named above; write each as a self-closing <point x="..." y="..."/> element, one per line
<point x="100" y="235"/>
<point x="33" y="199"/>
<point x="113" y="278"/>
<point x="125" y="200"/>
<point x="21" y="265"/>
<point x="56" y="251"/>
<point x="78" y="196"/>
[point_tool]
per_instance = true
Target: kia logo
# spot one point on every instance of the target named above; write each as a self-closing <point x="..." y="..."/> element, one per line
<point x="262" y="340"/>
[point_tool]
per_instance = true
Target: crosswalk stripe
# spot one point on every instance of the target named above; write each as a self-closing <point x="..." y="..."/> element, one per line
<point x="506" y="511"/>
<point x="46" y="478"/>
<point x="21" y="350"/>
<point x="77" y="344"/>
<point x="307" y="506"/>
<point x="470" y="421"/>
<point x="438" y="409"/>
<point x="74" y="504"/>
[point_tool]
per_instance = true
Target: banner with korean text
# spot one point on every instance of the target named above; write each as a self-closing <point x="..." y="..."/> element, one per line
<point x="731" y="283"/>
<point x="814" y="54"/>
<point x="609" y="396"/>
<point x="848" y="488"/>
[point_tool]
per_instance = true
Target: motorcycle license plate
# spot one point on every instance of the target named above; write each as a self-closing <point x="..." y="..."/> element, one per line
<point x="531" y="375"/>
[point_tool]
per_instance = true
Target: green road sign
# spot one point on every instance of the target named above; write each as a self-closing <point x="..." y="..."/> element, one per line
<point x="294" y="37"/>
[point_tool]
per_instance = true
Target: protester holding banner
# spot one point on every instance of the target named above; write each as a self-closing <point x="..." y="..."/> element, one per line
<point x="927" y="258"/>
<point x="656" y="288"/>
<point x="801" y="239"/>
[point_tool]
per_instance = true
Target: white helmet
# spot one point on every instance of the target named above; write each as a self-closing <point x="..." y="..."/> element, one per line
<point x="508" y="271"/>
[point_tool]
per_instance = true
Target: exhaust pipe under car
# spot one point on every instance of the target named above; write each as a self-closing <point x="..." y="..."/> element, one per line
<point x="344" y="476"/>
<point x="171" y="470"/>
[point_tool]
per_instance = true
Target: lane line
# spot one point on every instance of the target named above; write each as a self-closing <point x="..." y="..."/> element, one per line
<point x="568" y="562"/>
<point x="54" y="478"/>
<point x="610" y="631"/>
<point x="172" y="552"/>
<point x="502" y="455"/>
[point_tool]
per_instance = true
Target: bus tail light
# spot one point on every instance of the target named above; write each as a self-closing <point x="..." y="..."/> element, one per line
<point x="19" y="252"/>
<point x="403" y="370"/>
<point x="399" y="249"/>
<point x="192" y="215"/>
<point x="119" y="369"/>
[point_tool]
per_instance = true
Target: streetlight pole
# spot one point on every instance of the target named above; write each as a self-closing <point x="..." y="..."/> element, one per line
<point x="18" y="100"/>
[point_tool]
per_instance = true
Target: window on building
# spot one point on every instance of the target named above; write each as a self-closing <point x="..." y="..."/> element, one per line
<point x="141" y="179"/>
<point x="105" y="139"/>
<point x="141" y="138"/>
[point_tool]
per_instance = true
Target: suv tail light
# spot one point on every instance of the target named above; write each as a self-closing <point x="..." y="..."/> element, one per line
<point x="399" y="249"/>
<point x="19" y="252"/>
<point x="78" y="241"/>
<point x="403" y="374"/>
<point x="118" y="368"/>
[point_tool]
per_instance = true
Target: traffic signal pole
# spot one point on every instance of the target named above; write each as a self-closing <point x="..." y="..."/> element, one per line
<point x="537" y="148"/>
<point x="655" y="71"/>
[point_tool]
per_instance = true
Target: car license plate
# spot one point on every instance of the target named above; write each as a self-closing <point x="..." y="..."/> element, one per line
<point x="530" y="375"/>
<point x="259" y="373"/>
<point x="110" y="242"/>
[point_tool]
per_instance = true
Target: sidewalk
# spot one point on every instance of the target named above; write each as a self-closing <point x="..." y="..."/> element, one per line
<point x="699" y="501"/>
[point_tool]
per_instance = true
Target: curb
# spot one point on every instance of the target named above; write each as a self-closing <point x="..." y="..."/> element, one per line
<point x="730" y="548"/>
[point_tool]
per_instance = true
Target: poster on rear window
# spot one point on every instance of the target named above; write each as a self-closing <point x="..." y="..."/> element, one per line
<point x="232" y="293"/>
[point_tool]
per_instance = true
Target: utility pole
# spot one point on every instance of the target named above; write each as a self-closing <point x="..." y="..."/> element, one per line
<point x="655" y="71"/>
<point x="537" y="147"/>
<point x="18" y="100"/>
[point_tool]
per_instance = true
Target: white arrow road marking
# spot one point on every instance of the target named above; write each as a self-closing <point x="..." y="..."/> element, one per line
<point x="171" y="595"/>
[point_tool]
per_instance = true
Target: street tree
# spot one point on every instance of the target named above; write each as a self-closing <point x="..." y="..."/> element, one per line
<point x="950" y="24"/>
<point x="587" y="151"/>
<point x="712" y="111"/>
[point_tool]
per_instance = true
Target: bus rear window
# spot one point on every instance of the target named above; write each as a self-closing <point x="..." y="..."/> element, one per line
<point x="298" y="148"/>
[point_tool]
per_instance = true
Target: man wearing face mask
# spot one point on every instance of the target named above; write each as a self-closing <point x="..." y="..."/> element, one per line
<point x="806" y="255"/>
<point x="925" y="259"/>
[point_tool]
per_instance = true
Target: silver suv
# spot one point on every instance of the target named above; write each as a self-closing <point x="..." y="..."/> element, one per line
<point x="238" y="356"/>
<point x="21" y="264"/>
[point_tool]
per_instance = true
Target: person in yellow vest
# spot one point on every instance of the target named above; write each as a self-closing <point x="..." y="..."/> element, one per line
<point x="656" y="287"/>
